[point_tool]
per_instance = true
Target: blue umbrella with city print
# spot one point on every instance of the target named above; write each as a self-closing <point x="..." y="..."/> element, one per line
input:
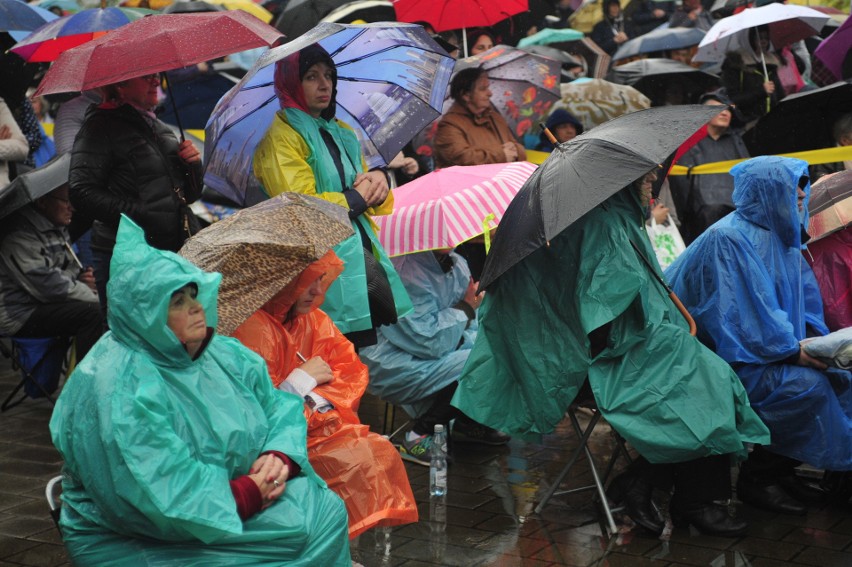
<point x="391" y="82"/>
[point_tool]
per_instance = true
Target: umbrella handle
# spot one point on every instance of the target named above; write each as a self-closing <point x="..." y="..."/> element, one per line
<point x="174" y="107"/>
<point x="548" y="133"/>
<point x="693" y="329"/>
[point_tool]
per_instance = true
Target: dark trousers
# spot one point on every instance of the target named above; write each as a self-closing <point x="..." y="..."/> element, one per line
<point x="80" y="319"/>
<point x="439" y="412"/>
<point x="765" y="467"/>
<point x="695" y="482"/>
<point x="101" y="260"/>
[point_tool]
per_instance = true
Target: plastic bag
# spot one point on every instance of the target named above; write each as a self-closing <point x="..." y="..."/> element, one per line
<point x="666" y="241"/>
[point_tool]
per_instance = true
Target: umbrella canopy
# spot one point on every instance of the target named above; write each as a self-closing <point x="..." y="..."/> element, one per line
<point x="445" y="15"/>
<point x="366" y="10"/>
<point x="191" y="6"/>
<point x="584" y="172"/>
<point x="551" y="35"/>
<point x="153" y="45"/>
<point x="523" y="85"/>
<point x="787" y="24"/>
<point x="54" y="38"/>
<point x="567" y="60"/>
<point x="300" y="16"/>
<point x="597" y="60"/>
<point x="16" y="15"/>
<point x="655" y="77"/>
<point x="834" y="50"/>
<point x="33" y="184"/>
<point x="449" y="206"/>
<point x="67" y="6"/>
<point x="392" y="78"/>
<point x="261" y="249"/>
<point x="255" y="10"/>
<point x="830" y="205"/>
<point x="659" y="40"/>
<point x="801" y="122"/>
<point x="595" y="101"/>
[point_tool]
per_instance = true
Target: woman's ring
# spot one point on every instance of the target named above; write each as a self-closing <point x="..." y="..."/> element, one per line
<point x="276" y="483"/>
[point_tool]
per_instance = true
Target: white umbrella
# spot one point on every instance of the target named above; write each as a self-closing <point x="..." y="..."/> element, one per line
<point x="787" y="23"/>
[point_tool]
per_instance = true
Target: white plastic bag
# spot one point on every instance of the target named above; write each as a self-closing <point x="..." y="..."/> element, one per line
<point x="666" y="240"/>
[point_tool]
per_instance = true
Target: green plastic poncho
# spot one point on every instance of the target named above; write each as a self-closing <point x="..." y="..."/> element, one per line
<point x="659" y="387"/>
<point x="151" y="439"/>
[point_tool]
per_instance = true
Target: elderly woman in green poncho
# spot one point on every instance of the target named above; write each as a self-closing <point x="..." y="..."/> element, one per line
<point x="177" y="448"/>
<point x="307" y="150"/>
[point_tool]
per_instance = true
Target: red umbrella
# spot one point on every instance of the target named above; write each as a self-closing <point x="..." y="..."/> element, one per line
<point x="155" y="44"/>
<point x="456" y="14"/>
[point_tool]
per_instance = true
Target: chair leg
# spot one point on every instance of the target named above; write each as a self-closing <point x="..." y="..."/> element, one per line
<point x="613" y="529"/>
<point x="28" y="375"/>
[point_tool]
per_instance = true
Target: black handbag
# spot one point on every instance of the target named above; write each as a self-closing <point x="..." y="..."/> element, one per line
<point x="379" y="293"/>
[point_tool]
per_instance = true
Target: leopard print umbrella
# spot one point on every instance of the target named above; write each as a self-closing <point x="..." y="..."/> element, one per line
<point x="261" y="249"/>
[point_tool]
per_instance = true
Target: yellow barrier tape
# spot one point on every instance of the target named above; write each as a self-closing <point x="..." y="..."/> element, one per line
<point x="813" y="157"/>
<point x="536" y="157"/>
<point x="486" y="231"/>
<point x="196" y="133"/>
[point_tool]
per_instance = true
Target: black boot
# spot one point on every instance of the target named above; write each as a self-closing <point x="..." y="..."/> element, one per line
<point x="768" y="496"/>
<point x="634" y="491"/>
<point x="710" y="518"/>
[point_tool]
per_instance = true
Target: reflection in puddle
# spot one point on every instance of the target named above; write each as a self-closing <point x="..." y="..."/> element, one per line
<point x="437" y="527"/>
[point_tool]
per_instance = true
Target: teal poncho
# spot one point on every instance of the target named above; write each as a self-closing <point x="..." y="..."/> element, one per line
<point x="667" y="394"/>
<point x="151" y="439"/>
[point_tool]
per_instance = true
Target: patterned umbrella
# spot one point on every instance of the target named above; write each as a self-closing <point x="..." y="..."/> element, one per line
<point x="830" y="205"/>
<point x="523" y="85"/>
<point x="261" y="249"/>
<point x="392" y="79"/>
<point x="53" y="38"/>
<point x="597" y="60"/>
<point x="551" y="35"/>
<point x="595" y="101"/>
<point x="449" y="206"/>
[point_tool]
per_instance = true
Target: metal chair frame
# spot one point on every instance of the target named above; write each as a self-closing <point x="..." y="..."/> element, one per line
<point x="11" y="352"/>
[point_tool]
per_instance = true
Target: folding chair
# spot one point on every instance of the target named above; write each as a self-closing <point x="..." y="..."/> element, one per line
<point x="17" y="351"/>
<point x="389" y="422"/>
<point x="583" y="448"/>
<point x="53" y="499"/>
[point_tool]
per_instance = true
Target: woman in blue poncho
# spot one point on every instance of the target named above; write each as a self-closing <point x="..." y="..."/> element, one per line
<point x="177" y="448"/>
<point x="755" y="298"/>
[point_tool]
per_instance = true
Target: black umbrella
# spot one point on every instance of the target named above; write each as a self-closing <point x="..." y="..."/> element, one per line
<point x="582" y="173"/>
<point x="300" y="16"/>
<point x="33" y="184"/>
<point x="192" y="6"/>
<point x="654" y="77"/>
<point x="801" y="122"/>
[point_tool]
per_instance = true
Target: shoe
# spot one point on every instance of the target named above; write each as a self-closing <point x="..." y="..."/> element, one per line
<point x="471" y="432"/>
<point x="635" y="493"/>
<point x="710" y="519"/>
<point x="417" y="451"/>
<point x="770" y="497"/>
<point x="803" y="491"/>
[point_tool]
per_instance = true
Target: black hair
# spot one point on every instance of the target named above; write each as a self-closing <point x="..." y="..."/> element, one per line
<point x="464" y="81"/>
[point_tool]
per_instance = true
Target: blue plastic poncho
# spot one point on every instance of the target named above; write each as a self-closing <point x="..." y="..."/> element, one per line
<point x="151" y="439"/>
<point x="427" y="349"/>
<point x="754" y="298"/>
<point x="658" y="386"/>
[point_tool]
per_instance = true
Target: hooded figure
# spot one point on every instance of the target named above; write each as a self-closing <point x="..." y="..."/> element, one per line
<point x="321" y="156"/>
<point x="154" y="440"/>
<point x="667" y="394"/>
<point x="755" y="298"/>
<point x="362" y="467"/>
<point x="559" y="118"/>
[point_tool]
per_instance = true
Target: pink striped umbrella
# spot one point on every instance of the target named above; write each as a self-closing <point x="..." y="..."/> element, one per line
<point x="449" y="206"/>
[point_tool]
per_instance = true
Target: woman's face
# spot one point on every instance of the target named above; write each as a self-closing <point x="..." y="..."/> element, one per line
<point x="141" y="92"/>
<point x="306" y="301"/>
<point x="186" y="318"/>
<point x="317" y="85"/>
<point x="645" y="185"/>
<point x="479" y="99"/>
<point x="565" y="132"/>
<point x="482" y="43"/>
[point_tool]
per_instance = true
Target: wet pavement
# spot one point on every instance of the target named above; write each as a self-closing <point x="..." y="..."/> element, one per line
<point x="486" y="519"/>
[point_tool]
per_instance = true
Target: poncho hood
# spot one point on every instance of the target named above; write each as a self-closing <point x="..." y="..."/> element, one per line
<point x="142" y="280"/>
<point x="329" y="266"/>
<point x="765" y="194"/>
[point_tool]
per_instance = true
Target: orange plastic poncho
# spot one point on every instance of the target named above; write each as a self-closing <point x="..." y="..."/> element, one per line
<point x="362" y="467"/>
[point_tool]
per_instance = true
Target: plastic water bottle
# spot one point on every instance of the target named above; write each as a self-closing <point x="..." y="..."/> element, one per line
<point x="438" y="466"/>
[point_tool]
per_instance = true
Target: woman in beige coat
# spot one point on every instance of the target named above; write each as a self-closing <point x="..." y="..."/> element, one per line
<point x="13" y="144"/>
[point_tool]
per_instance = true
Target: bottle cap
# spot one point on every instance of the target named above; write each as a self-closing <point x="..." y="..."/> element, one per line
<point x="439" y="428"/>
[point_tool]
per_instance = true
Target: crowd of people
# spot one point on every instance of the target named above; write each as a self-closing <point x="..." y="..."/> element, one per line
<point x="183" y="443"/>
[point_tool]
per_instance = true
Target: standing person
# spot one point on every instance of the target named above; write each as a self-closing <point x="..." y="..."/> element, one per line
<point x="13" y="144"/>
<point x="610" y="32"/>
<point x="755" y="299"/>
<point x="691" y="14"/>
<point x="307" y="150"/>
<point x="473" y="132"/>
<point x="703" y="199"/>
<point x="308" y="356"/>
<point x="43" y="293"/>
<point x="753" y="92"/>
<point x="842" y="132"/>
<point x="177" y="448"/>
<point x="587" y="307"/>
<point x="418" y="361"/>
<point x="124" y="160"/>
<point x="647" y="15"/>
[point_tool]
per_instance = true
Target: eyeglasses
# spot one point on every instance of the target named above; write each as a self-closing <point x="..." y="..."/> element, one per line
<point x="62" y="199"/>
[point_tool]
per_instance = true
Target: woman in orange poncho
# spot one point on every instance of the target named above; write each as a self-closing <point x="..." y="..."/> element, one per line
<point x="307" y="355"/>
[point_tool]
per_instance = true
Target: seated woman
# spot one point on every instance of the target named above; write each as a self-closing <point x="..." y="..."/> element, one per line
<point x="308" y="355"/>
<point x="176" y="447"/>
